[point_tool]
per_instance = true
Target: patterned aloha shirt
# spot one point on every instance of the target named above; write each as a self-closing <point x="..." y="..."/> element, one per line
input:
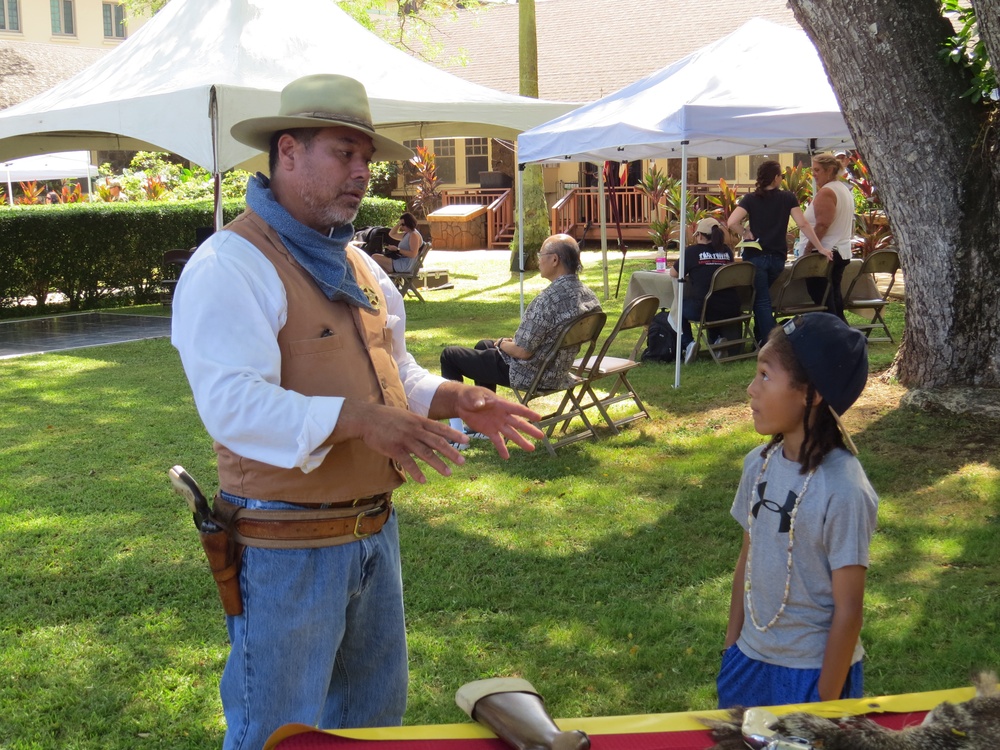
<point x="560" y="301"/>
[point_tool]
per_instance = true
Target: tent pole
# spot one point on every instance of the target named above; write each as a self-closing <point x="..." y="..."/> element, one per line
<point x="10" y="188"/>
<point x="602" y="216"/>
<point x="520" y="230"/>
<point x="679" y="302"/>
<point x="90" y="187"/>
<point x="213" y="113"/>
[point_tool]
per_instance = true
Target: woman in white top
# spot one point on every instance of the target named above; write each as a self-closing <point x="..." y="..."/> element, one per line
<point x="831" y="214"/>
<point x="405" y="232"/>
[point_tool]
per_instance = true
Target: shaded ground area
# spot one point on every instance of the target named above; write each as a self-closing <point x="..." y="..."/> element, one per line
<point x="39" y="335"/>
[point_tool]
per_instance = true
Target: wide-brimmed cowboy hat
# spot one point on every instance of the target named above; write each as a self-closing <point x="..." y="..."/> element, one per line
<point x="320" y="101"/>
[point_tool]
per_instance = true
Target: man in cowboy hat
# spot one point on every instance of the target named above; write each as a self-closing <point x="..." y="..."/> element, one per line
<point x="294" y="345"/>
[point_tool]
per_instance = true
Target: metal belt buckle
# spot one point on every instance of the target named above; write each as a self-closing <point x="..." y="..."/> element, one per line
<point x="367" y="514"/>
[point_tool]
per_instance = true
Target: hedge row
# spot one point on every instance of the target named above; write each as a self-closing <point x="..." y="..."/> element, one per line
<point x="94" y="253"/>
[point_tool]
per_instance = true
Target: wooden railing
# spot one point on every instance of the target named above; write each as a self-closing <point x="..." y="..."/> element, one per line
<point x="577" y="212"/>
<point x="499" y="203"/>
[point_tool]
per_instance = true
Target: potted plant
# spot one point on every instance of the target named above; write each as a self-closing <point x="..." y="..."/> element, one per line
<point x="426" y="183"/>
<point x="692" y="214"/>
<point x="797" y="180"/>
<point x="654" y="185"/>
<point x="725" y="202"/>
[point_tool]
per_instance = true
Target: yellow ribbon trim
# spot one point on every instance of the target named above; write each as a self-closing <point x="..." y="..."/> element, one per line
<point x="645" y="723"/>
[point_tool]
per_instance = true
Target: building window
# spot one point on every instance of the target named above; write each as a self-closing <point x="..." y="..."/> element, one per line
<point x="477" y="158"/>
<point x="62" y="17"/>
<point x="409" y="172"/>
<point x="10" y="20"/>
<point x="114" y="21"/>
<point x="444" y="157"/>
<point x="721" y="169"/>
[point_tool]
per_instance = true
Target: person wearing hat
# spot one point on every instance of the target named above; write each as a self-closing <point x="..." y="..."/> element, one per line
<point x="115" y="192"/>
<point x="808" y="513"/>
<point x="294" y="345"/>
<point x="701" y="260"/>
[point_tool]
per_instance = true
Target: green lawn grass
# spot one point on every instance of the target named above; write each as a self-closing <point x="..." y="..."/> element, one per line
<point x="601" y="575"/>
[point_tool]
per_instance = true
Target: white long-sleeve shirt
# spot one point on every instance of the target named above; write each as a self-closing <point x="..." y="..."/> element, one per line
<point x="228" y="308"/>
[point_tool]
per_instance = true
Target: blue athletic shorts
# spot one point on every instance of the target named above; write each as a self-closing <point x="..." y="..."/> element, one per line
<point x="747" y="682"/>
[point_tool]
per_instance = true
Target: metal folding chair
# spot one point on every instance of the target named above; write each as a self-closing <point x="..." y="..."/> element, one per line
<point x="881" y="261"/>
<point x="789" y="301"/>
<point x="172" y="265"/>
<point x="580" y="331"/>
<point x="405" y="281"/>
<point x="737" y="276"/>
<point x="637" y="314"/>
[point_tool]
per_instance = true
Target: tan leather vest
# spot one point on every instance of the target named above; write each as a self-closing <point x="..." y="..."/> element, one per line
<point x="327" y="349"/>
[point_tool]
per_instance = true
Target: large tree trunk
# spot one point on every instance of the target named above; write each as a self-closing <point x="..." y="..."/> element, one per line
<point x="933" y="156"/>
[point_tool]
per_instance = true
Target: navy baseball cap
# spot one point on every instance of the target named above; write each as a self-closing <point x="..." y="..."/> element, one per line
<point x="835" y="359"/>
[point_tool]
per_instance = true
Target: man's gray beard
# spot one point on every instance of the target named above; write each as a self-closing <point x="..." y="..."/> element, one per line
<point x="329" y="214"/>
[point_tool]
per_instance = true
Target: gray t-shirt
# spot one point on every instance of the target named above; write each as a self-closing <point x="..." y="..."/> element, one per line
<point x="833" y="528"/>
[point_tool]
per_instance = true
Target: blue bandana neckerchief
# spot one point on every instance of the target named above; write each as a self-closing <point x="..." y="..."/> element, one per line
<point x="324" y="257"/>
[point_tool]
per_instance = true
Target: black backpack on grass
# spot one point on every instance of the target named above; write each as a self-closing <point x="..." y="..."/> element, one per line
<point x="661" y="340"/>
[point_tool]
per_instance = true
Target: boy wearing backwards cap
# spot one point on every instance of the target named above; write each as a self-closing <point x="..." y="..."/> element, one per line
<point x="808" y="512"/>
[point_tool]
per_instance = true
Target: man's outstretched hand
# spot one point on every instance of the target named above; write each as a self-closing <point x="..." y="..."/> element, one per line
<point x="405" y="437"/>
<point x="500" y="420"/>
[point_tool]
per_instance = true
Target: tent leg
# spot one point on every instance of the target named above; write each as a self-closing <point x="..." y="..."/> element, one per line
<point x="520" y="230"/>
<point x="679" y="302"/>
<point x="602" y="214"/>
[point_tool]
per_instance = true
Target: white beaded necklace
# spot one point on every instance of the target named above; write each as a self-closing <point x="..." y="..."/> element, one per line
<point x="791" y="543"/>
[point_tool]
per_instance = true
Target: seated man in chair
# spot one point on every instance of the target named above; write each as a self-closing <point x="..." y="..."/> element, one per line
<point x="515" y="361"/>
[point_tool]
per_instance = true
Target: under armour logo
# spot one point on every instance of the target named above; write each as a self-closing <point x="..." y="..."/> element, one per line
<point x="785" y="511"/>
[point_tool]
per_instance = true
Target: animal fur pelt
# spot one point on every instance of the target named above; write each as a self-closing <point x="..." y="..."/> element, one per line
<point x="972" y="725"/>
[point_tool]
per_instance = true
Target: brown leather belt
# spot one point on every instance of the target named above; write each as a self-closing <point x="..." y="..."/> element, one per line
<point x="307" y="528"/>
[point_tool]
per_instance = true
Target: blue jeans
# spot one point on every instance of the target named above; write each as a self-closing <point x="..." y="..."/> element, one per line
<point x="746" y="682"/>
<point x="321" y="640"/>
<point x="769" y="268"/>
<point x="690" y="311"/>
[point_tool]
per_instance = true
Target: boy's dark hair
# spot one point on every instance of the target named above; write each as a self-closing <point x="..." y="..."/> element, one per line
<point x="819" y="438"/>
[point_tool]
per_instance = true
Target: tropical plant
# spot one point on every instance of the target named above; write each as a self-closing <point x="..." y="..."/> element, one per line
<point x="725" y="203"/>
<point x="798" y="180"/>
<point x="427" y="198"/>
<point x="872" y="228"/>
<point x="653" y="185"/>
<point x="154" y="188"/>
<point x="71" y="193"/>
<point x="31" y="193"/>
<point x="872" y="232"/>
<point x="674" y="207"/>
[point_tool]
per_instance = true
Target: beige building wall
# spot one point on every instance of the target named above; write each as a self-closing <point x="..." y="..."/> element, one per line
<point x="35" y="22"/>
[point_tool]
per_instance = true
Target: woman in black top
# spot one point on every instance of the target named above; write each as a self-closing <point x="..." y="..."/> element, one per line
<point x="768" y="208"/>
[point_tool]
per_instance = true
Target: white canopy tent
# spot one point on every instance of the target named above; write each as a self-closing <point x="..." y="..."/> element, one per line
<point x="65" y="165"/>
<point x="760" y="90"/>
<point x="196" y="68"/>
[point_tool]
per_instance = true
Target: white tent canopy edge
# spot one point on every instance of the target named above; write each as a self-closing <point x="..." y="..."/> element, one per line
<point x="182" y="81"/>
